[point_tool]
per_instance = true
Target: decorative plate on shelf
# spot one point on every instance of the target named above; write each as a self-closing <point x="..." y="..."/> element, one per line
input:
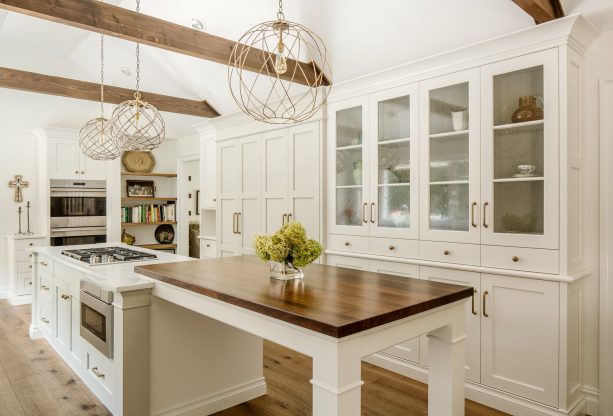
<point x="139" y="162"/>
<point x="164" y="234"/>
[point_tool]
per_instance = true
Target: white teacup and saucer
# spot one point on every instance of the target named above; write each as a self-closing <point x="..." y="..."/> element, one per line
<point x="525" y="171"/>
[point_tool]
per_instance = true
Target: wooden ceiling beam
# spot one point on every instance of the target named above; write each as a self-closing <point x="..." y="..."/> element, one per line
<point x="83" y="90"/>
<point x="96" y="16"/>
<point x="541" y="10"/>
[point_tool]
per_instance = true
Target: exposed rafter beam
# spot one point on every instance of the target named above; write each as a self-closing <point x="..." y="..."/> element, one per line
<point x="83" y="90"/>
<point x="100" y="17"/>
<point x="541" y="10"/>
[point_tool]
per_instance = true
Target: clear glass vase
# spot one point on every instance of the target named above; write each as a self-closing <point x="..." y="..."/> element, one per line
<point x="285" y="271"/>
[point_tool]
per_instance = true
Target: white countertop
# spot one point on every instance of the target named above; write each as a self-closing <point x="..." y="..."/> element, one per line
<point x="118" y="277"/>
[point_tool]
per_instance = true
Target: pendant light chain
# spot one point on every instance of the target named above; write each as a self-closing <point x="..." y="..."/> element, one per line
<point x="280" y="14"/>
<point x="102" y="76"/>
<point x="137" y="93"/>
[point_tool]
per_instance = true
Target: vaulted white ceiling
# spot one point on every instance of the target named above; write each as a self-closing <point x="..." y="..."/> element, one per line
<point x="362" y="37"/>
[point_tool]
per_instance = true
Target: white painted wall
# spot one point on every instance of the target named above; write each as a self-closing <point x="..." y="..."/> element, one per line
<point x="599" y="65"/>
<point x="18" y="157"/>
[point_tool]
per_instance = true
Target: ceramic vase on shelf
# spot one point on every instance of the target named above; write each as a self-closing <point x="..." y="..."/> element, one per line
<point x="459" y="119"/>
<point x="530" y="109"/>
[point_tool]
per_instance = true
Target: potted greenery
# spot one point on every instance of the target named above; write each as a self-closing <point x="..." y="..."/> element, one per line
<point x="288" y="251"/>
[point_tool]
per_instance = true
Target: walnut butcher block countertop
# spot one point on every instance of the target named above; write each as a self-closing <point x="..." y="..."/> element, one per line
<point x="331" y="300"/>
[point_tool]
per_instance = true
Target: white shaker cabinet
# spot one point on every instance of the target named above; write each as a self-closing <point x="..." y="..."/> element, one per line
<point x="62" y="314"/>
<point x="66" y="161"/>
<point x="290" y="178"/>
<point x="239" y="195"/>
<point x="449" y="157"/>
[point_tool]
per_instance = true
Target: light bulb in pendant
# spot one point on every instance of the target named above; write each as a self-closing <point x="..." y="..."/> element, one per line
<point x="280" y="59"/>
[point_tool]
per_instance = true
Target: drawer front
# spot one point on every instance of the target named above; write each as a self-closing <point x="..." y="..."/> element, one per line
<point x="99" y="369"/>
<point x="349" y="262"/>
<point x="23" y="255"/>
<point x="394" y="247"/>
<point x="45" y="264"/>
<point x="350" y="243"/>
<point x="45" y="285"/>
<point x="209" y="248"/>
<point x="450" y="252"/>
<point x="393" y="268"/>
<point x="23" y="244"/>
<point x="24" y="284"/>
<point x="24" y="267"/>
<point x="45" y="313"/>
<point x="525" y="259"/>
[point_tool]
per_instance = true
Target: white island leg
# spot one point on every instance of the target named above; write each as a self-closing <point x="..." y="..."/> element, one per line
<point x="337" y="383"/>
<point x="446" y="362"/>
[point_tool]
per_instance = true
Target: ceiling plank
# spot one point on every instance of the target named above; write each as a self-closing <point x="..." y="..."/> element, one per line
<point x="83" y="90"/>
<point x="541" y="10"/>
<point x="96" y="16"/>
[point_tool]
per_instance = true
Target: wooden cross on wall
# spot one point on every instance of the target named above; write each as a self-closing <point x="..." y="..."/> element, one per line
<point x="18" y="183"/>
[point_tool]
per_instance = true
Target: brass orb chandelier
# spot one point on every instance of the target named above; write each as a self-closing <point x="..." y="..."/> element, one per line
<point x="294" y="74"/>
<point x="95" y="139"/>
<point x="136" y="124"/>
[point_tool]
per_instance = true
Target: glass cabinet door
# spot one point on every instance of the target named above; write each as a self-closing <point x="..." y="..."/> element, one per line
<point x="519" y="158"/>
<point x="450" y="157"/>
<point x="349" y="198"/>
<point x="393" y="165"/>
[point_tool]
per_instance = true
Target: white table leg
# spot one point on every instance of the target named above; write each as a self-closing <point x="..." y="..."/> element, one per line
<point x="446" y="369"/>
<point x="337" y="383"/>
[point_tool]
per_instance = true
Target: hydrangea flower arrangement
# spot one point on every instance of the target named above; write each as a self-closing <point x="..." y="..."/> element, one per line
<point x="289" y="249"/>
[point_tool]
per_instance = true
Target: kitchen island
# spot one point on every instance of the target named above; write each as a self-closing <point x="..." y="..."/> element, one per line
<point x="336" y="316"/>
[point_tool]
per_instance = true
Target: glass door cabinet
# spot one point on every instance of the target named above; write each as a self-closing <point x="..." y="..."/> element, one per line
<point x="449" y="143"/>
<point x="519" y="157"/>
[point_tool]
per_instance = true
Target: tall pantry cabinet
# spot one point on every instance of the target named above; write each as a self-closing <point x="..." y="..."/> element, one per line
<point x="473" y="176"/>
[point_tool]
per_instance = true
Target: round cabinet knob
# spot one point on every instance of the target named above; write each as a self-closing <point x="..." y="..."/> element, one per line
<point x="82" y="172"/>
<point x="76" y="172"/>
<point x="392" y="248"/>
<point x="30" y="283"/>
<point x="208" y="245"/>
<point x="347" y="244"/>
<point x="515" y="259"/>
<point x="446" y="252"/>
<point x="31" y="244"/>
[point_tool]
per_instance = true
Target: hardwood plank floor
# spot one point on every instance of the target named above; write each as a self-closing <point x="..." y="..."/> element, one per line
<point x="35" y="381"/>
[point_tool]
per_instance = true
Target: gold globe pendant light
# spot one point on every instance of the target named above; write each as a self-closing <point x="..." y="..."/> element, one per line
<point x="95" y="139"/>
<point x="272" y="94"/>
<point x="136" y="124"/>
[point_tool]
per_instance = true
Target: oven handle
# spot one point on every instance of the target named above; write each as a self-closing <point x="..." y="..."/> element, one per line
<point x="96" y="193"/>
<point x="77" y="232"/>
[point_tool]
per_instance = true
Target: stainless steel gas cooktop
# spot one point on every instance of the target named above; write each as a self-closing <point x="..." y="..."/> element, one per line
<point x="107" y="255"/>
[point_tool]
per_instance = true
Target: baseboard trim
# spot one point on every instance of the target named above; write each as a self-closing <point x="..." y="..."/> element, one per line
<point x="493" y="398"/>
<point x="217" y="402"/>
<point x="592" y="395"/>
<point x="19" y="300"/>
<point x="4" y="292"/>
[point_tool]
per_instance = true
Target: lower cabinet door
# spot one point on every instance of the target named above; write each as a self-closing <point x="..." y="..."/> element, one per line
<point x="62" y="332"/>
<point x="408" y="350"/>
<point x="473" y="316"/>
<point x="519" y="338"/>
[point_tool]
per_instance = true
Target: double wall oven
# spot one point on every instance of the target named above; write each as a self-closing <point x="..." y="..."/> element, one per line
<point x="78" y="212"/>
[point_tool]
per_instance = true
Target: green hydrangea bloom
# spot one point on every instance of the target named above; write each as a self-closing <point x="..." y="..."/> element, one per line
<point x="289" y="245"/>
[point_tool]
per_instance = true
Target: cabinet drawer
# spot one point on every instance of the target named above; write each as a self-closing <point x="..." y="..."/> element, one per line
<point x="209" y="248"/>
<point x="45" y="313"/>
<point x="23" y="244"/>
<point x="394" y="247"/>
<point x="24" y="284"/>
<point x="24" y="267"/>
<point x="23" y="255"/>
<point x="450" y="252"/>
<point x="348" y="243"/>
<point x="45" y="285"/>
<point x="525" y="259"/>
<point x="393" y="268"/>
<point x="349" y="262"/>
<point x="45" y="264"/>
<point x="99" y="369"/>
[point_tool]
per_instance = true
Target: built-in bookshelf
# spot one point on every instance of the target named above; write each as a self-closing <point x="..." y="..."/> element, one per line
<point x="141" y="215"/>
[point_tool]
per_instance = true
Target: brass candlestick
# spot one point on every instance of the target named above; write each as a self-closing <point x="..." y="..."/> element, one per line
<point x="28" y="206"/>
<point x="19" y="211"/>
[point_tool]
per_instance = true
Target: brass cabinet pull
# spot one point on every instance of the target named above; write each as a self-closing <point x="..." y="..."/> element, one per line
<point x="364" y="220"/>
<point x="65" y="297"/>
<point x="234" y="223"/>
<point x="30" y="244"/>
<point x="97" y="373"/>
<point x="347" y="243"/>
<point x="283" y="220"/>
<point x="446" y="252"/>
<point x="392" y="248"/>
<point x="372" y="216"/>
<point x="43" y="263"/>
<point x="82" y="172"/>
<point x="289" y="217"/>
<point x="43" y="287"/>
<point x="515" y="259"/>
<point x="45" y="320"/>
<point x="238" y="216"/>
<point x="76" y="172"/>
<point x="485" y="204"/>
<point x="484" y="303"/>
<point x="472" y="215"/>
<point x="473" y="302"/>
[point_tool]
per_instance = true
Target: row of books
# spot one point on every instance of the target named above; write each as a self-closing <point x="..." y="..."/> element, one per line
<point x="149" y="213"/>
